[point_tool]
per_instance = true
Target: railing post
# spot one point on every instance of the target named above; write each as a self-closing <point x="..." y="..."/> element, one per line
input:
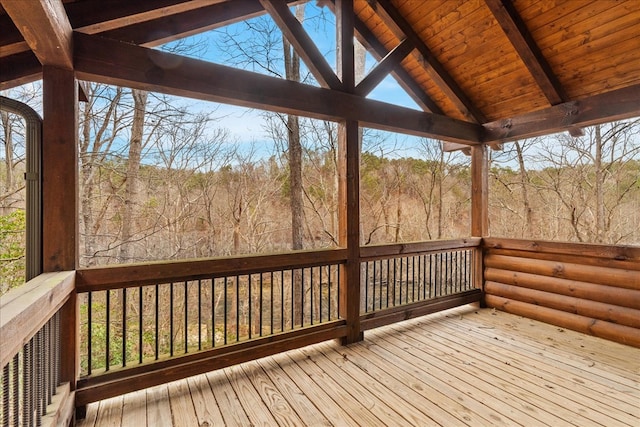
<point x="59" y="196"/>
<point x="479" y="209"/>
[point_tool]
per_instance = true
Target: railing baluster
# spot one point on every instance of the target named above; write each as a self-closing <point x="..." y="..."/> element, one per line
<point x="140" y="326"/>
<point x="226" y="314"/>
<point x="186" y="317"/>
<point x="200" y="314"/>
<point x="107" y="330"/>
<point x="124" y="327"/>
<point x="237" y="308"/>
<point x="16" y="388"/>
<point x="250" y="306"/>
<point x="157" y="322"/>
<point x="261" y="282"/>
<point x="89" y="331"/>
<point x="171" y="303"/>
<point x="6" y="392"/>
<point x="271" y="310"/>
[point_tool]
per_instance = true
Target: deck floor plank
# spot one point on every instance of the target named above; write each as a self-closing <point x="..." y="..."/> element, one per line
<point x="158" y="407"/>
<point x="230" y="406"/>
<point x="548" y="404"/>
<point x="440" y="408"/>
<point x="578" y="395"/>
<point x="621" y="387"/>
<point x="300" y="402"/>
<point x="465" y="366"/>
<point x="281" y="410"/>
<point x="182" y="408"/>
<point x="110" y="412"/>
<point x="257" y="412"/>
<point x="204" y="403"/>
<point x="322" y="397"/>
<point x="554" y="388"/>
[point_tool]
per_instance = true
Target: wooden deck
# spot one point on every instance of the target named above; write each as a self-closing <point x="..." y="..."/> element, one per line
<point x="461" y="367"/>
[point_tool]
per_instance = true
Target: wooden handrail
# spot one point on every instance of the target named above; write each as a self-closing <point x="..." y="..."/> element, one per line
<point x="131" y="275"/>
<point x="27" y="308"/>
<point x="368" y="253"/>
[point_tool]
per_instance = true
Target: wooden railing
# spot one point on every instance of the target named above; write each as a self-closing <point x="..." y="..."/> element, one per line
<point x="406" y="280"/>
<point x="143" y="325"/>
<point x="33" y="392"/>
<point x="594" y="289"/>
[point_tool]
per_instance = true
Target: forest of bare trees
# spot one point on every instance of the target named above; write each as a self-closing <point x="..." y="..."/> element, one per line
<point x="163" y="178"/>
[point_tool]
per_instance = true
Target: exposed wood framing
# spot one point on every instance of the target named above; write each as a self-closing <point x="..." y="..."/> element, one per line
<point x="302" y="43"/>
<point x="108" y="61"/>
<point x="378" y="51"/>
<point x="169" y="28"/>
<point x="19" y="69"/>
<point x="46" y="29"/>
<point x="392" y="18"/>
<point x="615" y="105"/>
<point x="479" y="192"/>
<point x="348" y="179"/>
<point x="391" y="61"/>
<point x="519" y="36"/>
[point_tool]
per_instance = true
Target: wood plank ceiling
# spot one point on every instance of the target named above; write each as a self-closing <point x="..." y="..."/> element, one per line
<point x="497" y="69"/>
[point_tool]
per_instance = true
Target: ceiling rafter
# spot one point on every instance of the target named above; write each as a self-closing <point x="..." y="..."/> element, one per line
<point x="154" y="70"/>
<point x="302" y="43"/>
<point x="516" y="31"/>
<point x="522" y="41"/>
<point x="52" y="42"/>
<point x="399" y="25"/>
<point x="606" y="107"/>
<point x="391" y="61"/>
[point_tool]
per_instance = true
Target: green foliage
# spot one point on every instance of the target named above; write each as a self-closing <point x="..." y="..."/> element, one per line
<point x="12" y="250"/>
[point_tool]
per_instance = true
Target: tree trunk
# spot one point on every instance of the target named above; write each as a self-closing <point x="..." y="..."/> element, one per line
<point x="524" y="180"/>
<point x="599" y="187"/>
<point x="133" y="171"/>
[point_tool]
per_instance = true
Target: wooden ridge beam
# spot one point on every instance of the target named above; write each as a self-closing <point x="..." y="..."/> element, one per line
<point x="46" y="29"/>
<point x="302" y="43"/>
<point x="399" y="25"/>
<point x="109" y="61"/>
<point x="391" y="61"/>
<point x="617" y="104"/>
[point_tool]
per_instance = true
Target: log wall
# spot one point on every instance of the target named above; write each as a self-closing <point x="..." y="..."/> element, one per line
<point x="594" y="289"/>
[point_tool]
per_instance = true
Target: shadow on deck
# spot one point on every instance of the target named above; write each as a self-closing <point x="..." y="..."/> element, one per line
<point x="464" y="366"/>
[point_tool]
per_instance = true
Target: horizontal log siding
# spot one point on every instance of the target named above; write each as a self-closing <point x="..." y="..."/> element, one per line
<point x="594" y="289"/>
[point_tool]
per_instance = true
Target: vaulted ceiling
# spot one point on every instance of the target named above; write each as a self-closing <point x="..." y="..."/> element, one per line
<point x="496" y="69"/>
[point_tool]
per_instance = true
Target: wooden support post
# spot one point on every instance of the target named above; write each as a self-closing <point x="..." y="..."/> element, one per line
<point x="59" y="196"/>
<point x="348" y="179"/>
<point x="479" y="209"/>
<point x="349" y="223"/>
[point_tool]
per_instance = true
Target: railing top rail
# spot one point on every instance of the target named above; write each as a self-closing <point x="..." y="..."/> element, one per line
<point x="130" y="275"/>
<point x="614" y="252"/>
<point x="26" y="309"/>
<point x="368" y="253"/>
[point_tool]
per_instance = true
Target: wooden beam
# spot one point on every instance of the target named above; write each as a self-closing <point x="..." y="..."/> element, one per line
<point x="108" y="61"/>
<point x="399" y="25"/>
<point x="516" y="31"/>
<point x="46" y="29"/>
<point x="378" y="51"/>
<point x="302" y="43"/>
<point x="112" y="14"/>
<point x="19" y="69"/>
<point x="385" y="66"/>
<point x="165" y="29"/>
<point x="614" y="105"/>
